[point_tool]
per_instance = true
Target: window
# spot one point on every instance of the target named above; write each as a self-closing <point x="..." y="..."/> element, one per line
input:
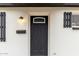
<point x="2" y="26"/>
<point x="39" y="20"/>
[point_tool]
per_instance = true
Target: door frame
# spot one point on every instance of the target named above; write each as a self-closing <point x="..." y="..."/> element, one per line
<point x="47" y="14"/>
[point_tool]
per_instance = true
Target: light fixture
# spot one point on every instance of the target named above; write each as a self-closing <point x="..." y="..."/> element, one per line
<point x="21" y="20"/>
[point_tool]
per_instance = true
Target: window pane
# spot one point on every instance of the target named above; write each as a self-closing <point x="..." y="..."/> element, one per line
<point x="0" y="21"/>
<point x="0" y="33"/>
<point x="3" y="19"/>
<point x="3" y="33"/>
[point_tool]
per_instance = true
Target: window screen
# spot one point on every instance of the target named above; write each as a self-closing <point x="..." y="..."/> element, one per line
<point x="2" y="26"/>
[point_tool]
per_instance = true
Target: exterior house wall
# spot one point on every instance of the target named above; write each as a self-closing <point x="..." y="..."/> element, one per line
<point x="16" y="44"/>
<point x="61" y="41"/>
<point x="64" y="41"/>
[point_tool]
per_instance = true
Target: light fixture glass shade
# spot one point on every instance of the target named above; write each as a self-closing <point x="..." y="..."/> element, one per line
<point x="22" y="20"/>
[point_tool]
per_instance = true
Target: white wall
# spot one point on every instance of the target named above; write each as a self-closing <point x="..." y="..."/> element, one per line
<point x="16" y="44"/>
<point x="62" y="41"/>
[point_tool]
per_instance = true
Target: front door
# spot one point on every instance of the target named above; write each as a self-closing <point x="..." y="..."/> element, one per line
<point x="39" y="35"/>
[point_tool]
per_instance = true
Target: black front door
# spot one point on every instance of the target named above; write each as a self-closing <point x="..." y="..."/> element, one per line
<point x="39" y="35"/>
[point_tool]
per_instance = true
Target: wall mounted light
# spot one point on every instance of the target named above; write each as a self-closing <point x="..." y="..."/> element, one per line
<point x="21" y="20"/>
<point x="21" y="17"/>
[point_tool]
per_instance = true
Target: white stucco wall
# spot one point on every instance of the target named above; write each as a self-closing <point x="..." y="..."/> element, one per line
<point x="64" y="41"/>
<point x="61" y="41"/>
<point x="16" y="44"/>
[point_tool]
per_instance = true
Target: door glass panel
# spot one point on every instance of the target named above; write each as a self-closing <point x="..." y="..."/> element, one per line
<point x="38" y="20"/>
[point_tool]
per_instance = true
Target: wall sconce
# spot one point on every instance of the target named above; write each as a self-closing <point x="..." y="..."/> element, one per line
<point x="21" y="20"/>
